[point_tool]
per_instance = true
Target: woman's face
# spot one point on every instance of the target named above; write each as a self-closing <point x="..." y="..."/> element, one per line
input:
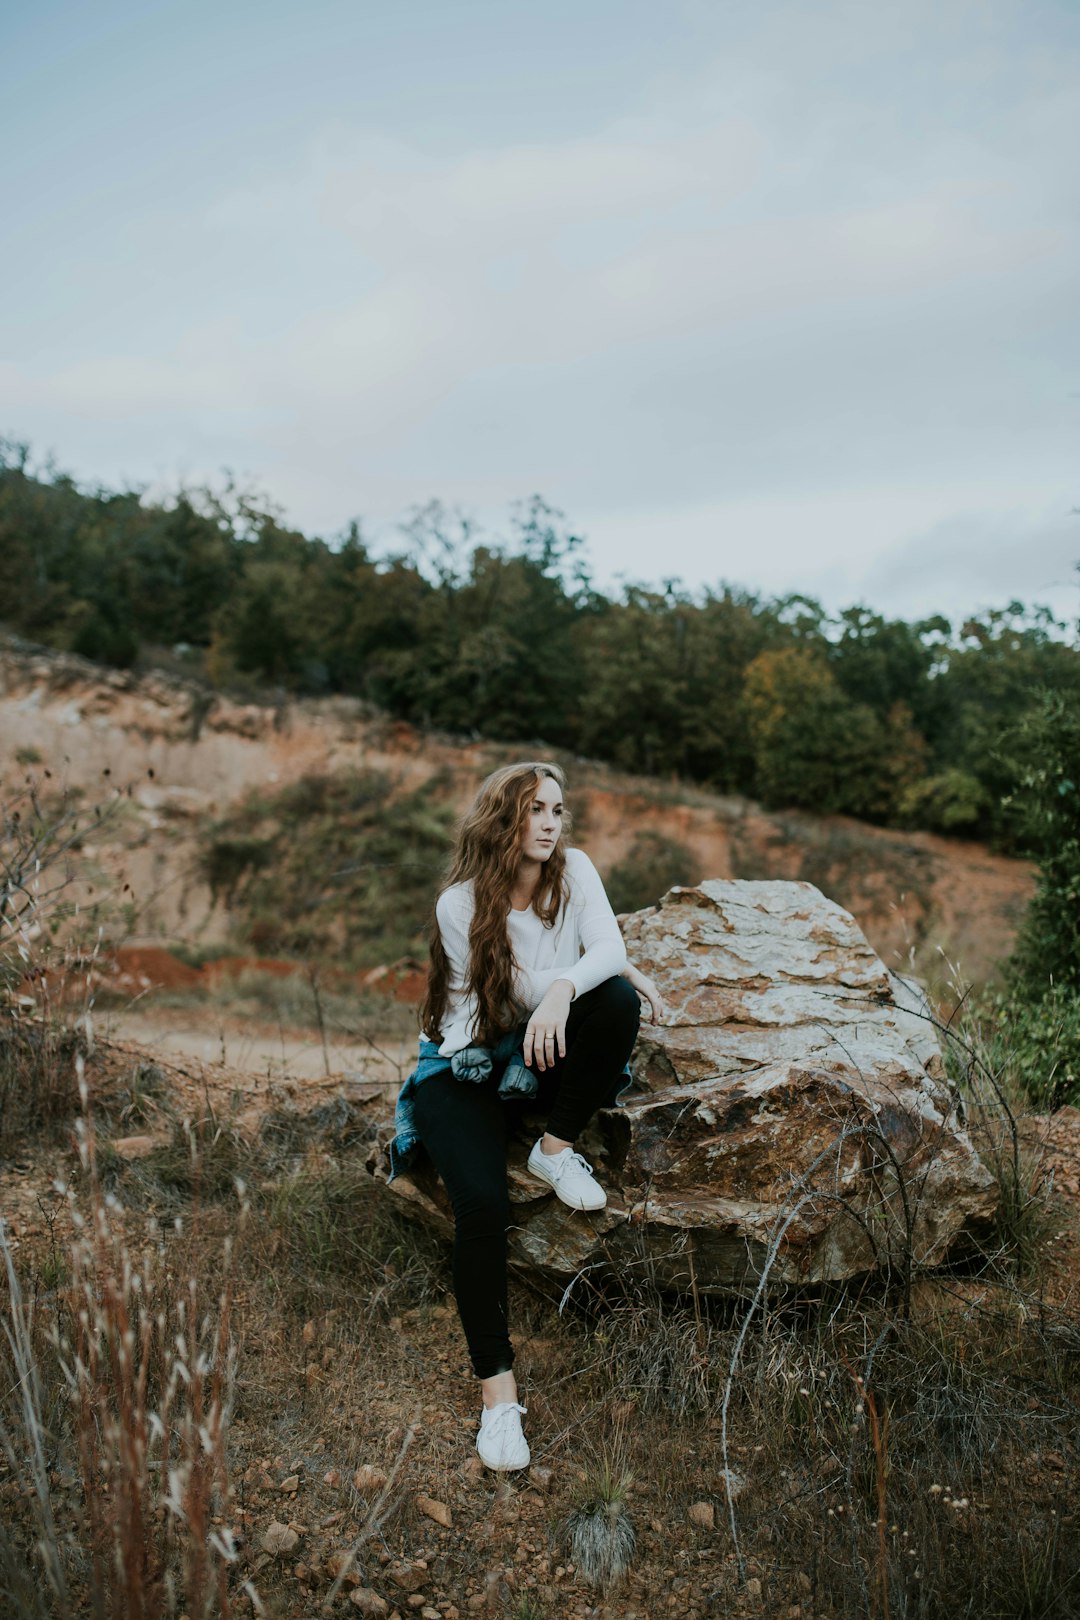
<point x="543" y="820"/>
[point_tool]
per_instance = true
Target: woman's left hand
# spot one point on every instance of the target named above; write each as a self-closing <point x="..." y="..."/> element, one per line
<point x="645" y="987"/>
<point x="545" y="1033"/>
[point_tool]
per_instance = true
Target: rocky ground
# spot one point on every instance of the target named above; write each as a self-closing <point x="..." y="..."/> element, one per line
<point x="354" y="1418"/>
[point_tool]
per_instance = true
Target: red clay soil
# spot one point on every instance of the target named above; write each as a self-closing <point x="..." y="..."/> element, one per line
<point x="137" y="968"/>
<point x="143" y="966"/>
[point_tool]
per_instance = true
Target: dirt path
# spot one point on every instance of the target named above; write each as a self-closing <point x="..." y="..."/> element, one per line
<point x="260" y="1052"/>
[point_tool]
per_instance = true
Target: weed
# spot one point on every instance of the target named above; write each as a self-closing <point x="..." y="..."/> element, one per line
<point x="528" y="1607"/>
<point x="599" y="1530"/>
<point x="202" y="1159"/>
<point x="336" y="1235"/>
<point x="342" y="863"/>
<point x="128" y="1399"/>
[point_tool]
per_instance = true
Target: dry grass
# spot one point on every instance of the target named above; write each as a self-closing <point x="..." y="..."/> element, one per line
<point x="177" y="1378"/>
<point x="877" y="1464"/>
<point x="118" y="1394"/>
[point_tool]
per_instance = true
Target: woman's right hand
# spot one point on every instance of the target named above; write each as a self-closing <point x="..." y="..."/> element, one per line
<point x="545" y="1034"/>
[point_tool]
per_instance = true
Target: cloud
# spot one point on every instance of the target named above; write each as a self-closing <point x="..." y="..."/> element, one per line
<point x="823" y="268"/>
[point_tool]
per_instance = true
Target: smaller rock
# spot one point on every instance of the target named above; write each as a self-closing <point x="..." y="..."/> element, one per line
<point x="308" y="1334"/>
<point x="368" y="1478"/>
<point x="279" y="1539"/>
<point x="290" y="1484"/>
<point x="753" y="1587"/>
<point x="473" y="1469"/>
<point x="409" y="1577"/>
<point x="332" y="1477"/>
<point x="538" y="1476"/>
<point x="435" y="1510"/>
<point x="416" y="1600"/>
<point x="342" y="1566"/>
<point x="368" y="1601"/>
<point x="135" y="1147"/>
<point x="702" y="1514"/>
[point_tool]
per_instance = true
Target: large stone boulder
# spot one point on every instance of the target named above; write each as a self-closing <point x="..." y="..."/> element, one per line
<point x="792" y="1113"/>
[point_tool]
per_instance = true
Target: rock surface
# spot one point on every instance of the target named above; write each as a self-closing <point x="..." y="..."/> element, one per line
<point x="792" y="1111"/>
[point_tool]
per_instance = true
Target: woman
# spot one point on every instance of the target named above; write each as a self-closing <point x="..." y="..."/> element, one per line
<point x="530" y="995"/>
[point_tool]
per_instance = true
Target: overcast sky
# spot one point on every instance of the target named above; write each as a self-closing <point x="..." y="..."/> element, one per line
<point x="786" y="295"/>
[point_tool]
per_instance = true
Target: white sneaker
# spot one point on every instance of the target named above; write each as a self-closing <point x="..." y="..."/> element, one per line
<point x="500" y="1442"/>
<point x="569" y="1175"/>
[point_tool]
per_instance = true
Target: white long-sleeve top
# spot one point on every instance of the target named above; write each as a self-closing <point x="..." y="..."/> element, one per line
<point x="584" y="946"/>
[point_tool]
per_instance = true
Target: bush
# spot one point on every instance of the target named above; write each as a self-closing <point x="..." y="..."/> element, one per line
<point x="342" y="864"/>
<point x="1043" y="753"/>
<point x="1034" y="1044"/>
<point x="653" y="865"/>
<point x="41" y="967"/>
<point x="951" y="802"/>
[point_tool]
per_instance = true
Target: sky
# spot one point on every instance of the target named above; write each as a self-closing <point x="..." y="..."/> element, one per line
<point x="774" y="294"/>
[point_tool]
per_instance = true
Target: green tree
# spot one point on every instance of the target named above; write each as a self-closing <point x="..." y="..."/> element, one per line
<point x="1042" y="754"/>
<point x="816" y="748"/>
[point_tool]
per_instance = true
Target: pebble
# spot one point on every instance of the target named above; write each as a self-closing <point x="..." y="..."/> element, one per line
<point x="409" y="1577"/>
<point x="290" y="1484"/>
<point x="368" y="1602"/>
<point x="279" y="1539"/>
<point x="368" y="1478"/>
<point x="703" y="1514"/>
<point x="438" y="1511"/>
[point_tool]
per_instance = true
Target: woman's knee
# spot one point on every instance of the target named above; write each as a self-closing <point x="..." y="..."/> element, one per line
<point x="617" y="1000"/>
<point x="482" y="1211"/>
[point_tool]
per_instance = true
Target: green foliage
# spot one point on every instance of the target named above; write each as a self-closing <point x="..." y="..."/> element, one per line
<point x="502" y="635"/>
<point x="953" y="801"/>
<point x="1043" y="756"/>
<point x="1033" y="1020"/>
<point x="816" y="748"/>
<point x="334" y="864"/>
<point x="664" y="680"/>
<point x="653" y="865"/>
<point x="1035" y="1044"/>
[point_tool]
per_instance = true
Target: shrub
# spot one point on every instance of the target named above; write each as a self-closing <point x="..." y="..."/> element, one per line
<point x="42" y="969"/>
<point x="1033" y="1043"/>
<point x="342" y="864"/>
<point x="950" y="802"/>
<point x="126" y="1398"/>
<point x="653" y="865"/>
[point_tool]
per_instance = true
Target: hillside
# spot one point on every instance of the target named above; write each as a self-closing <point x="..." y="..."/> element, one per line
<point x="192" y="757"/>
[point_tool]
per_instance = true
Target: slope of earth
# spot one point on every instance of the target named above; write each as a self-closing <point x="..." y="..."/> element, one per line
<point x="189" y="755"/>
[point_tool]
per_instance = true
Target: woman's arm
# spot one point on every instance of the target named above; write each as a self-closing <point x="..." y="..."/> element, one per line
<point x="453" y="913"/>
<point x="645" y="987"/>
<point x="604" y="954"/>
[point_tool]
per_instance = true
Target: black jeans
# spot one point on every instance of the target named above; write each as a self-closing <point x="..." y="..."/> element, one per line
<point x="464" y="1128"/>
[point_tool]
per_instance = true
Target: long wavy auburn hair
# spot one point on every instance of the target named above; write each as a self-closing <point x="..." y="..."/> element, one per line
<point x="486" y="853"/>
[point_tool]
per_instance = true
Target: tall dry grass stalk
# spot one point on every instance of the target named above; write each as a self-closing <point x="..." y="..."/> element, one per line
<point x="50" y="941"/>
<point x="137" y="1360"/>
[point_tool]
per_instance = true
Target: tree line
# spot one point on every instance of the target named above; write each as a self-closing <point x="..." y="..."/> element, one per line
<point x="906" y="723"/>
